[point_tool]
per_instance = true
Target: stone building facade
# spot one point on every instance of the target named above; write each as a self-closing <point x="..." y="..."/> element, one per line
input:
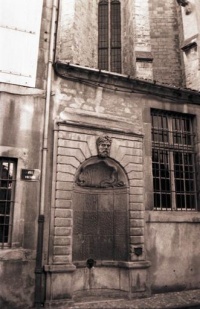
<point x="77" y="222"/>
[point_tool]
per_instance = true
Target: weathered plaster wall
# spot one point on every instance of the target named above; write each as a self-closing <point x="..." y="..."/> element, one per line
<point x="173" y="251"/>
<point x="17" y="278"/>
<point x="21" y="123"/>
<point x="75" y="98"/>
<point x="21" y="131"/>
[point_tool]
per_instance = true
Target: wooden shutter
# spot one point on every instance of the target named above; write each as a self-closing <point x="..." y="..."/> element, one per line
<point x="20" y="22"/>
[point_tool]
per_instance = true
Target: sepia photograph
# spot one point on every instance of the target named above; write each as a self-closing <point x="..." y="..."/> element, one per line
<point x="99" y="154"/>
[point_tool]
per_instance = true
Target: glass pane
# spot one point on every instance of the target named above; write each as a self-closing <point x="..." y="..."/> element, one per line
<point x="161" y="179"/>
<point x="184" y="180"/>
<point x="4" y="229"/>
<point x="182" y="130"/>
<point x="160" y="128"/>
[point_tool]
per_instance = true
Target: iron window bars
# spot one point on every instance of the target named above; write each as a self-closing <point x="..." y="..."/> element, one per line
<point x="109" y="35"/>
<point x="7" y="191"/>
<point x="173" y="161"/>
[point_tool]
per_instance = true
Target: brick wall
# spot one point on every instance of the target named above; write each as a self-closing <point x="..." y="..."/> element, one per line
<point x="165" y="42"/>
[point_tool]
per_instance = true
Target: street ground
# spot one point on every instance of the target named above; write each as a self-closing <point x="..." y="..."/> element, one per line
<point x="172" y="300"/>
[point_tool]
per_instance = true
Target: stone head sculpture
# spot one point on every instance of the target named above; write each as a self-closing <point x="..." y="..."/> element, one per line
<point x="103" y="146"/>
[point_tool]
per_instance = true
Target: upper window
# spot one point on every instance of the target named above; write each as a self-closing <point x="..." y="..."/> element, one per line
<point x="173" y="160"/>
<point x="109" y="35"/>
<point x="7" y="190"/>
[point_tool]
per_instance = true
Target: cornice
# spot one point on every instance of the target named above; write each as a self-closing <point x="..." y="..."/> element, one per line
<point x="125" y="83"/>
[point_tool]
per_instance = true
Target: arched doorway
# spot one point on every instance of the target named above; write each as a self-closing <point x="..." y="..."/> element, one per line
<point x="100" y="212"/>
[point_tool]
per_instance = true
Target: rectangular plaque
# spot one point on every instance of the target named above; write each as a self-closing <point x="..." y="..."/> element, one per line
<point x="30" y="174"/>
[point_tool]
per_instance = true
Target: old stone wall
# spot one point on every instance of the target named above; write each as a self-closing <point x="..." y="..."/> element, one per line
<point x="174" y="257"/>
<point x="74" y="147"/>
<point x="165" y="42"/>
<point x="77" y="38"/>
<point x="17" y="278"/>
<point x="190" y="17"/>
<point x="21" y="139"/>
<point x="128" y="38"/>
<point x="82" y="113"/>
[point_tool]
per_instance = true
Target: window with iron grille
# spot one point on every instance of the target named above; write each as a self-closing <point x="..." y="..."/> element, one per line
<point x="109" y="35"/>
<point x="7" y="191"/>
<point x="173" y="161"/>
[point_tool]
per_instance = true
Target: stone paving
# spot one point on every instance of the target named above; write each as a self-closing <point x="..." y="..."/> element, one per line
<point x="172" y="300"/>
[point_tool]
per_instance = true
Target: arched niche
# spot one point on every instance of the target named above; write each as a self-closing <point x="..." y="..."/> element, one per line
<point x="100" y="211"/>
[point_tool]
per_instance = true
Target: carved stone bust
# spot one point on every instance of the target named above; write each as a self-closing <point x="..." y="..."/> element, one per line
<point x="103" y="146"/>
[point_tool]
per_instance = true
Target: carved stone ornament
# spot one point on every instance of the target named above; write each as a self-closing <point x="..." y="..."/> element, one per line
<point x="103" y="144"/>
<point x="100" y="174"/>
<point x="101" y="171"/>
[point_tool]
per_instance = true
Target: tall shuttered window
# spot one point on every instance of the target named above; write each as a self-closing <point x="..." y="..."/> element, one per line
<point x="109" y="35"/>
<point x="173" y="159"/>
<point x="7" y="193"/>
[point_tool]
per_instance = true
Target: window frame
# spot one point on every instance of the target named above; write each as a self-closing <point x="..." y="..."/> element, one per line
<point x="7" y="202"/>
<point x="109" y="36"/>
<point x="167" y="139"/>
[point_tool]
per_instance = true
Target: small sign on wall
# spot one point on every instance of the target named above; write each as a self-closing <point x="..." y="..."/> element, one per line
<point x="30" y="174"/>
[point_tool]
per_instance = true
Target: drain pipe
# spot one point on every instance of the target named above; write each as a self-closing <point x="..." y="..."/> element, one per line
<point x="39" y="285"/>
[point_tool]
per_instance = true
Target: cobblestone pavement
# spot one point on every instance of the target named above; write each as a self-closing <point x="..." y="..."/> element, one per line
<point x="172" y="300"/>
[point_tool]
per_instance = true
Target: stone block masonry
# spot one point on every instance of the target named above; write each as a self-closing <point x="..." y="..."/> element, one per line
<point x="165" y="42"/>
<point x="75" y="145"/>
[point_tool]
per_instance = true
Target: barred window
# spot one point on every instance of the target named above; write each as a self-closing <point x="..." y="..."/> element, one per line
<point x="7" y="191"/>
<point x="109" y="35"/>
<point x="173" y="161"/>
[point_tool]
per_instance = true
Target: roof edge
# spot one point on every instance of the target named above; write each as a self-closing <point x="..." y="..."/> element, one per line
<point x="99" y="78"/>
